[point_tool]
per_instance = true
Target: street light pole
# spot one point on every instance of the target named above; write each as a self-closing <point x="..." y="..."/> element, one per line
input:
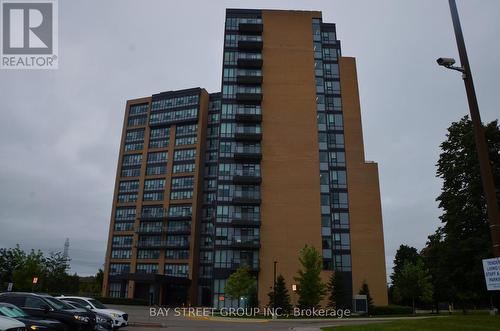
<point x="479" y="135"/>
<point x="274" y="284"/>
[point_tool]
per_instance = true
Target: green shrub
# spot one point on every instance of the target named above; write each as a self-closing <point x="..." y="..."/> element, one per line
<point x="392" y="310"/>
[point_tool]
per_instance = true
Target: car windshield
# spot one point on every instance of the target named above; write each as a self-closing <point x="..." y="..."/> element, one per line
<point x="12" y="311"/>
<point x="97" y="304"/>
<point x="58" y="303"/>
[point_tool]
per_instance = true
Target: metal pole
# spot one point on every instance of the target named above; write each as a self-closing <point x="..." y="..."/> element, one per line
<point x="274" y="285"/>
<point x="481" y="146"/>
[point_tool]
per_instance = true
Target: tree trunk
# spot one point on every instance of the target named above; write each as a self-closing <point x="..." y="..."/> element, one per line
<point x="413" y="305"/>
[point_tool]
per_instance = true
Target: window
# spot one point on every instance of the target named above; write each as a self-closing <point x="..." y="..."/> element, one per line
<point x="335" y="122"/>
<point x="338" y="178"/>
<point x="182" y="182"/>
<point x="124" y="226"/>
<point x="330" y="54"/>
<point x="134" y="140"/>
<point x="127" y="191"/>
<point x="34" y="303"/>
<point x="339" y="200"/>
<point x="125" y="213"/>
<point x="137" y="120"/>
<point x="138" y="109"/>
<point x="183" y="168"/>
<point x="159" y="137"/>
<point x="177" y="270"/>
<point x="132" y="160"/>
<point x="147" y="268"/>
<point x="181" y="195"/>
<point x="154" y="189"/>
<point x="131" y="165"/>
<point x="185" y="141"/>
<point x="340" y="220"/>
<point x="180" y="210"/>
<point x="156" y="170"/>
<point x="121" y="253"/>
<point x="152" y="211"/>
<point x="337" y="159"/>
<point x="331" y="70"/>
<point x="177" y="254"/>
<point x="157" y="157"/>
<point x="144" y="254"/>
<point x="336" y="140"/>
<point x="168" y="117"/>
<point x="119" y="268"/>
<point x="122" y="241"/>
<point x="184" y="154"/>
<point x="115" y="290"/>
<point x="174" y="102"/>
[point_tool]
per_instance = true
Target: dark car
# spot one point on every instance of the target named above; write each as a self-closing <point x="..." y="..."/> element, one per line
<point x="45" y="306"/>
<point x="32" y="322"/>
<point x="103" y="322"/>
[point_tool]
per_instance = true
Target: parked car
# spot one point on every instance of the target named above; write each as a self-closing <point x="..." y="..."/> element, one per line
<point x="10" y="324"/>
<point x="46" y="306"/>
<point x="32" y="322"/>
<point x="119" y="317"/>
<point x="103" y="322"/>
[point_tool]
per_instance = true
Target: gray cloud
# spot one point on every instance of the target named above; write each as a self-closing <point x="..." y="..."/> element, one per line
<point x="60" y="130"/>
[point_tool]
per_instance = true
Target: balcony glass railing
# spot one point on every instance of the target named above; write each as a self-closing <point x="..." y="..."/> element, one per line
<point x="248" y="129"/>
<point x="249" y="56"/>
<point x="252" y="73"/>
<point x="248" y="149"/>
<point x="242" y="110"/>
<point x="245" y="240"/>
<point x="249" y="90"/>
<point x="252" y="195"/>
<point x="153" y="213"/>
<point x="249" y="38"/>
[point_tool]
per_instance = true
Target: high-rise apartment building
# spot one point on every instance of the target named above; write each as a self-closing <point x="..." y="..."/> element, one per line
<point x="209" y="182"/>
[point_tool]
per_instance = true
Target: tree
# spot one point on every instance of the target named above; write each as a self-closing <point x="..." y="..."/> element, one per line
<point x="310" y="288"/>
<point x="282" y="299"/>
<point x="369" y="300"/>
<point x="454" y="253"/>
<point x="414" y="283"/>
<point x="403" y="254"/>
<point x="240" y="283"/>
<point x="338" y="296"/>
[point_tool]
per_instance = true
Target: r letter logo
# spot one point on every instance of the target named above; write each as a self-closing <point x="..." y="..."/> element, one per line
<point x="29" y="34"/>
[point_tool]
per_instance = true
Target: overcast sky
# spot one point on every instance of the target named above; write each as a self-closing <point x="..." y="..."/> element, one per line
<point x="60" y="129"/>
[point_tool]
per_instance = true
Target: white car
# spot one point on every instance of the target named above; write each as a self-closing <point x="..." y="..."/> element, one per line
<point x="10" y="324"/>
<point x="119" y="317"/>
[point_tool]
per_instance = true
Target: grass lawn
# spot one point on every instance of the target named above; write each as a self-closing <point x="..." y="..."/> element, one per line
<point x="451" y="323"/>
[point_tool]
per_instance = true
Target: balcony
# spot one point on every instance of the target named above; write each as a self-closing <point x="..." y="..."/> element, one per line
<point x="250" y="42"/>
<point x="249" y="76"/>
<point x="178" y="230"/>
<point x="151" y="244"/>
<point x="245" y="221"/>
<point x="249" y="94"/>
<point x="150" y="230"/>
<point x="247" y="242"/>
<point x="247" y="179"/>
<point x="249" y="60"/>
<point x="250" y="154"/>
<point x="248" y="114"/>
<point x="250" y="25"/>
<point x="157" y="214"/>
<point x="248" y="133"/>
<point x="246" y="198"/>
<point x="175" y="217"/>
